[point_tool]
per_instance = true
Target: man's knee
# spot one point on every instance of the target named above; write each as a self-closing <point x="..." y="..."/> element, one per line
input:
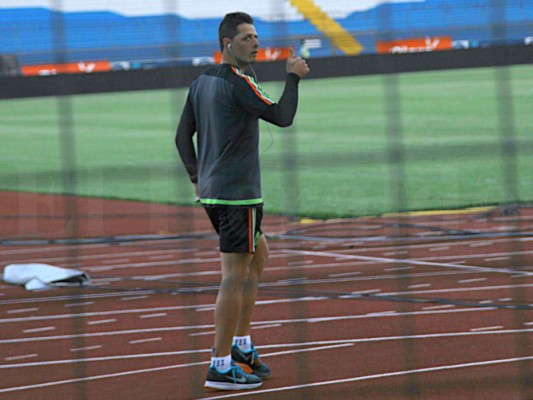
<point x="261" y="255"/>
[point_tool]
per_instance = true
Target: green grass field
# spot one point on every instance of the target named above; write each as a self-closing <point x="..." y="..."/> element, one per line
<point x="335" y="160"/>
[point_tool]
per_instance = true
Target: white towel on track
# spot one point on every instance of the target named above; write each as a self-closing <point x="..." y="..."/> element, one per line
<point x="43" y="276"/>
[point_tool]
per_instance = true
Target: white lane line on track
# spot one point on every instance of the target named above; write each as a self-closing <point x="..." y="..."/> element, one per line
<point x="157" y="315"/>
<point x="74" y="350"/>
<point x="204" y="306"/>
<point x="487" y="328"/>
<point x="202" y="333"/>
<point x="457" y="290"/>
<point x="147" y="370"/>
<point x="88" y="247"/>
<point x="255" y="323"/>
<point x="131" y="265"/>
<point x="376" y="376"/>
<point x="405" y="261"/>
<point x="472" y="280"/>
<point x="266" y="326"/>
<point x="421" y="285"/>
<point x="102" y="321"/>
<point x="399" y="269"/>
<point x="73" y="297"/>
<point x="139" y="341"/>
<point x="22" y="310"/>
<point x="110" y="260"/>
<point x="440" y="248"/>
<point x="345" y="274"/>
<point x="358" y="279"/>
<point x="82" y="304"/>
<point x="299" y="263"/>
<point x="43" y="329"/>
<point x="134" y="298"/>
<point x="46" y="249"/>
<point x="21" y="357"/>
<point x="162" y="257"/>
<point x="476" y="256"/>
<point x="439" y="307"/>
<point x="497" y="259"/>
<point x="273" y="346"/>
<point x="395" y="253"/>
<point x="481" y="244"/>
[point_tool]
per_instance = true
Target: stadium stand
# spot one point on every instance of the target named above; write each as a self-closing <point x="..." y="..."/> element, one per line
<point x="38" y="35"/>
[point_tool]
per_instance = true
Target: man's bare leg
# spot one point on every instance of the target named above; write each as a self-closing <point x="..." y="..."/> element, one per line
<point x="251" y="283"/>
<point x="235" y="267"/>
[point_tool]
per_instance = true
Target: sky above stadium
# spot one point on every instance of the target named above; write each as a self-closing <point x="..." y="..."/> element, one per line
<point x="199" y="9"/>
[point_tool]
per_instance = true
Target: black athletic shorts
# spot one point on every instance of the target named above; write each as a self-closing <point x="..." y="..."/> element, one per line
<point x="239" y="228"/>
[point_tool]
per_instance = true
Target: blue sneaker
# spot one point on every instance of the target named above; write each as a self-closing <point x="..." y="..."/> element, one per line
<point x="232" y="379"/>
<point x="250" y="362"/>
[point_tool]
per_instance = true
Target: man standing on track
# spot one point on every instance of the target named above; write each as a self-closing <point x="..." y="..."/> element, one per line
<point x="224" y="106"/>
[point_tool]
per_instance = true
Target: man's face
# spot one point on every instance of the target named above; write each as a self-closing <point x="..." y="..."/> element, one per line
<point x="245" y="44"/>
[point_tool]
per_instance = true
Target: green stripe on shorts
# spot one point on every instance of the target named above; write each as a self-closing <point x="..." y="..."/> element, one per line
<point x="221" y="202"/>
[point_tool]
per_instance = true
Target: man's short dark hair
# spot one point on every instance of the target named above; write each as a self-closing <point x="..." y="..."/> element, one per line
<point x="228" y="26"/>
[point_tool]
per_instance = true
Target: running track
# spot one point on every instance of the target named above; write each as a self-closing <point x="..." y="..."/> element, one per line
<point x="397" y="307"/>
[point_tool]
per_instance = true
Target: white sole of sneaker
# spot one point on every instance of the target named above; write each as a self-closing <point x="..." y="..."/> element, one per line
<point x="231" y="386"/>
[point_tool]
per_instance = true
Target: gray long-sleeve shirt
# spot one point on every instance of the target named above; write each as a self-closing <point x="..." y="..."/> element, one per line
<point x="224" y="106"/>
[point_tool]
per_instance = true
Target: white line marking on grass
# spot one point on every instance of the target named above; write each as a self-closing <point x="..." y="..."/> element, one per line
<point x="376" y="376"/>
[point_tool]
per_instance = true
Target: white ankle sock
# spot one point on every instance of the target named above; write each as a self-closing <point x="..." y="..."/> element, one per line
<point x="222" y="364"/>
<point x="244" y="343"/>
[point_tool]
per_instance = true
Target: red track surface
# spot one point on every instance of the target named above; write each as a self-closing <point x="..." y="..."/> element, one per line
<point x="405" y="307"/>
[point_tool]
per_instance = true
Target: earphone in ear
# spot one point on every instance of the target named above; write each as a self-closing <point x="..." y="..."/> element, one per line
<point x="229" y="47"/>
